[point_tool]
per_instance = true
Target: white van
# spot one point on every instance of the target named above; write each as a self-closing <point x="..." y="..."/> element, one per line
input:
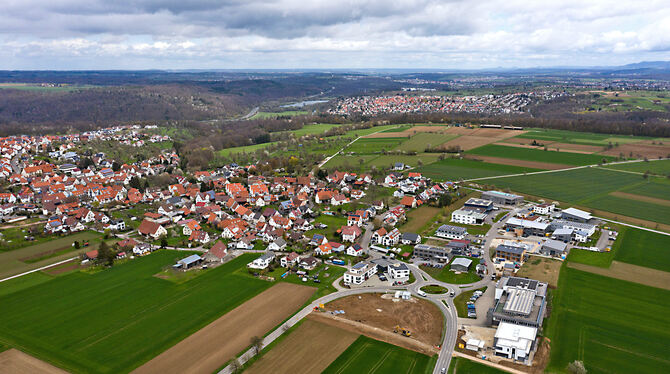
<point x="421" y="293"/>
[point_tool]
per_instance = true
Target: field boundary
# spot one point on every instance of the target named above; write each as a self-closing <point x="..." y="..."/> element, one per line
<point x="630" y="273"/>
<point x="646" y="199"/>
<point x="14" y="361"/>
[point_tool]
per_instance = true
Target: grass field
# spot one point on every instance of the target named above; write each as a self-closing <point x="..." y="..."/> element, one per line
<point x="659" y="167"/>
<point x="417" y="219"/>
<point x="588" y="138"/>
<point x="314" y="129"/>
<point x="420" y="141"/>
<point x="448" y="276"/>
<point x="371" y="356"/>
<point x="553" y="157"/>
<point x="44" y="253"/>
<point x="288" y="113"/>
<point x="460" y="365"/>
<point x="611" y="325"/>
<point x="630" y="101"/>
<point x="114" y="320"/>
<point x="244" y="149"/>
<point x="655" y="187"/>
<point x="643" y="248"/>
<point x="373" y="145"/>
<point x="461" y="302"/>
<point x="455" y="169"/>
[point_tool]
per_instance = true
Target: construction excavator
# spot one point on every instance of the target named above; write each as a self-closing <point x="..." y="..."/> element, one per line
<point x="402" y="330"/>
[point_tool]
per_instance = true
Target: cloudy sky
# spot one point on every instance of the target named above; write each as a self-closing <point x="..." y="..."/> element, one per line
<point x="183" y="34"/>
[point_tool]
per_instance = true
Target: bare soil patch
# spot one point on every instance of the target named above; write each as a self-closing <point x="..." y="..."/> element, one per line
<point x="14" y="361"/>
<point x="630" y="273"/>
<point x="647" y="199"/>
<point x="374" y="333"/>
<point x="640" y="150"/>
<point x="308" y="350"/>
<point x="421" y="317"/>
<point x="525" y="163"/>
<point x="63" y="268"/>
<point x="542" y="269"/>
<point x="468" y="142"/>
<point x="498" y="133"/>
<point x="220" y="341"/>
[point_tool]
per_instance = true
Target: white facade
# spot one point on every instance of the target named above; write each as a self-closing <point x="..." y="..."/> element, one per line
<point x="359" y="273"/>
<point x="514" y="341"/>
<point x="398" y="271"/>
<point x="467" y="217"/>
<point x="543" y="208"/>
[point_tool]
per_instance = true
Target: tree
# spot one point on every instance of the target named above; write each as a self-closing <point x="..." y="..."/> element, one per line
<point x="135" y="182"/>
<point x="164" y="242"/>
<point x="76" y="244"/>
<point x="444" y="200"/>
<point x="105" y="254"/>
<point x="577" y="367"/>
<point x="256" y="344"/>
<point x="235" y="366"/>
<point x="116" y="166"/>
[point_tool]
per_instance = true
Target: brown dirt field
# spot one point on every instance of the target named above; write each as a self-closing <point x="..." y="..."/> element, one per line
<point x="14" y="361"/>
<point x="576" y="148"/>
<point x="220" y="341"/>
<point x="526" y="141"/>
<point x="630" y="273"/>
<point x="62" y="268"/>
<point x="546" y="270"/>
<point x="468" y="142"/>
<point x="421" y="317"/>
<point x="640" y="150"/>
<point x="460" y="131"/>
<point x="374" y="333"/>
<point x="497" y="133"/>
<point x="307" y="350"/>
<point x="526" y="163"/>
<point x="647" y="199"/>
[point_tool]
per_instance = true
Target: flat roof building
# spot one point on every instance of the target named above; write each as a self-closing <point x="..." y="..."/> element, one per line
<point x="519" y="301"/>
<point x="502" y="198"/>
<point x="461" y="264"/>
<point x="577" y="215"/>
<point x="430" y="252"/>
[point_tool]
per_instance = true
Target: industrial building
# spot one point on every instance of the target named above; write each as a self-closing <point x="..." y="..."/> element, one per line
<point x="554" y="248"/>
<point x="451" y="232"/>
<point x="468" y="217"/>
<point x="474" y="203"/>
<point x="577" y="215"/>
<point x="511" y="252"/>
<point x="502" y="198"/>
<point x="461" y="264"/>
<point x="528" y="227"/>
<point x="519" y="301"/>
<point x="440" y="254"/>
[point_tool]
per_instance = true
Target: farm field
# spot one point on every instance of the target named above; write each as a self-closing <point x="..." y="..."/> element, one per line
<point x="629" y="101"/>
<point x="460" y="365"/>
<point x="244" y="149"/>
<point x="421" y="141"/>
<point x="309" y="350"/>
<point x="44" y="253"/>
<point x="630" y="273"/>
<point x="517" y="153"/>
<point x="150" y="314"/>
<point x="220" y="341"/>
<point x="353" y="162"/>
<point x="371" y="356"/>
<point x="418" y="218"/>
<point x="564" y="136"/>
<point x="455" y="169"/>
<point x="314" y="129"/>
<point x="288" y="113"/>
<point x="658" y="167"/>
<point x="635" y="208"/>
<point x="13" y="361"/>
<point x="655" y="188"/>
<point x="643" y="248"/>
<point x="373" y="145"/>
<point x="609" y="331"/>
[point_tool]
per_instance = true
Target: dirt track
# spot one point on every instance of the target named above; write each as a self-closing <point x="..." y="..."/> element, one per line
<point x="526" y="163"/>
<point x="307" y="350"/>
<point x="421" y="317"/>
<point x="14" y="361"/>
<point x="215" y="344"/>
<point x="630" y="273"/>
<point x="647" y="199"/>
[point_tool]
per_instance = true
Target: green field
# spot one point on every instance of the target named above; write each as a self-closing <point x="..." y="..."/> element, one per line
<point x="371" y="356"/>
<point x="574" y="137"/>
<point x="589" y="187"/>
<point x="244" y="149"/>
<point x="36" y="87"/>
<point x="659" y="167"/>
<point x="421" y="141"/>
<point x="288" y="113"/>
<point x="460" y="365"/>
<point x="655" y="187"/>
<point x="448" y="276"/>
<point x="373" y="145"/>
<point x="611" y="325"/>
<point x="629" y="101"/>
<point x="53" y="249"/>
<point x="643" y="248"/>
<point x="114" y="320"/>
<point x="455" y="169"/>
<point x="538" y="155"/>
<point x="317" y="128"/>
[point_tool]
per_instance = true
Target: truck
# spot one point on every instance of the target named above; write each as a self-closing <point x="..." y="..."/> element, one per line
<point x="337" y="261"/>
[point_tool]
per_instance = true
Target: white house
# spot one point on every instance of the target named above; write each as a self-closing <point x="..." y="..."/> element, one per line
<point x="262" y="262"/>
<point x="359" y="273"/>
<point x="468" y="217"/>
<point x="451" y="232"/>
<point x="544" y="208"/>
<point x="514" y="341"/>
<point x="355" y="250"/>
<point x="398" y="270"/>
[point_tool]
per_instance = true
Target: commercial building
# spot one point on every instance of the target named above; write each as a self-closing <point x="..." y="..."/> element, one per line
<point x="468" y="217"/>
<point x="514" y="341"/>
<point x="586" y="228"/>
<point x="543" y="208"/>
<point x="440" y="254"/>
<point x="502" y="198"/>
<point x="515" y="253"/>
<point x="554" y="248"/>
<point x="528" y="227"/>
<point x="572" y="214"/>
<point x="451" y="232"/>
<point x="519" y="301"/>
<point x="474" y="203"/>
<point x="461" y="264"/>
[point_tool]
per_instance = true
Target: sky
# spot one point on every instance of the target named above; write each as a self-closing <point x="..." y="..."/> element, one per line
<point x="343" y="34"/>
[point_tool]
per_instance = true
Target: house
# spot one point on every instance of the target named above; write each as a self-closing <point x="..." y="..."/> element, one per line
<point x="468" y="217"/>
<point x="216" y="253"/>
<point x="461" y="264"/>
<point x="355" y="250"/>
<point x="142" y="249"/>
<point x="554" y="248"/>
<point x="323" y="249"/>
<point x="410" y="238"/>
<point x="117" y="225"/>
<point x="289" y="260"/>
<point x="190" y="226"/>
<point x="152" y="229"/>
<point x="337" y="247"/>
<point x="201" y="237"/>
<point x="318" y="239"/>
<point x="514" y="341"/>
<point x="188" y="262"/>
<point x="350" y="233"/>
<point x="262" y="262"/>
<point x="278" y="245"/>
<point x="451" y="232"/>
<point x="408" y="201"/>
<point x="398" y="270"/>
<point x="359" y="273"/>
<point x="383" y="237"/>
<point x="309" y="263"/>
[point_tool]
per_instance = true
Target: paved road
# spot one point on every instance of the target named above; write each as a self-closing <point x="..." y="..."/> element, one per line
<point x="251" y="113"/>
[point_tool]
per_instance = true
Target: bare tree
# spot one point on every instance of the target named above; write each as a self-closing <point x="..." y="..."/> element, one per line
<point x="256" y="344"/>
<point x="576" y="367"/>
